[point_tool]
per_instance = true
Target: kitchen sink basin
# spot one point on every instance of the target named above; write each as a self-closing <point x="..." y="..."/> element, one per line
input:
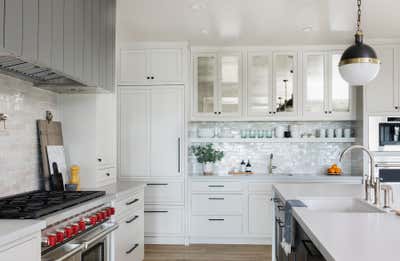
<point x="349" y="205"/>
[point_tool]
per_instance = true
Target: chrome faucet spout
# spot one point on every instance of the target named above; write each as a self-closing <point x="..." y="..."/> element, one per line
<point x="370" y="181"/>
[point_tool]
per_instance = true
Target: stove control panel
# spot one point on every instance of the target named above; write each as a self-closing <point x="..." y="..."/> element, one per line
<point x="64" y="231"/>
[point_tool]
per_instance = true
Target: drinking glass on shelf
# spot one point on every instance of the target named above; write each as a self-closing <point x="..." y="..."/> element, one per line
<point x="268" y="133"/>
<point x="244" y="133"/>
<point x="252" y="134"/>
<point x="260" y="134"/>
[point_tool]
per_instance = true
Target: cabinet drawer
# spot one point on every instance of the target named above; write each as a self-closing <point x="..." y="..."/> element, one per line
<point x="214" y="186"/>
<point x="217" y="204"/>
<point x="163" y="220"/>
<point x="164" y="192"/>
<point x="216" y="225"/>
<point x="260" y="187"/>
<point x="129" y="204"/>
<point x="106" y="176"/>
<point x="129" y="238"/>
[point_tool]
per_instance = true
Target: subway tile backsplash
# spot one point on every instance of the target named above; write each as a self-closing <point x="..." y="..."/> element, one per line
<point x="289" y="158"/>
<point x="19" y="153"/>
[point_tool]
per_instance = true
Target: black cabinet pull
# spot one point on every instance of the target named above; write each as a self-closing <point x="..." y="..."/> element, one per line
<point x="326" y="112"/>
<point x="216" y="219"/>
<point x="216" y="186"/>
<point x="270" y="112"/>
<point x="216" y="198"/>
<point x="219" y="112"/>
<point x="215" y="112"/>
<point x="396" y="107"/>
<point x="152" y="77"/>
<point x="156" y="211"/>
<point x="99" y="159"/>
<point x="108" y="174"/>
<point x="133" y="248"/>
<point x="179" y="155"/>
<point x="131" y="202"/>
<point x="280" y="207"/>
<point x="148" y="77"/>
<point x="157" y="184"/>
<point x="132" y="219"/>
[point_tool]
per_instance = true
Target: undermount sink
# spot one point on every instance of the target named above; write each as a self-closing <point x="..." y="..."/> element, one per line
<point x="341" y="205"/>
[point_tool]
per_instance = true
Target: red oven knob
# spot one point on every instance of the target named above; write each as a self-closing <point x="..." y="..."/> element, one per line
<point x="68" y="232"/>
<point x="93" y="220"/>
<point x="75" y="228"/>
<point x="60" y="235"/>
<point x="99" y="216"/>
<point x="112" y="211"/>
<point x="109" y="212"/>
<point x="105" y="214"/>
<point x="51" y="239"/>
<point x="82" y="225"/>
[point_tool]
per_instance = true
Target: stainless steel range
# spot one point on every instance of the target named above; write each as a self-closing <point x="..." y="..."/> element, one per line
<point x="79" y="224"/>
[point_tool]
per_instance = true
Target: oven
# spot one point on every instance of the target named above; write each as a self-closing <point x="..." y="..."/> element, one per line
<point x="384" y="133"/>
<point x="93" y="245"/>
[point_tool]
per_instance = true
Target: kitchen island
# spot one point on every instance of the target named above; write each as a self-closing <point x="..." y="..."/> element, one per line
<point x="343" y="234"/>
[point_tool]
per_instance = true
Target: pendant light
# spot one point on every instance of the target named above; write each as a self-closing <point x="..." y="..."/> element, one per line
<point x="359" y="64"/>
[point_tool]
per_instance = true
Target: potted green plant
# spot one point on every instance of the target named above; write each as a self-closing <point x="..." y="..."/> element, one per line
<point x="207" y="155"/>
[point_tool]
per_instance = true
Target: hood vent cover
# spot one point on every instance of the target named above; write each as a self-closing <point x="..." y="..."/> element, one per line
<point x="38" y="75"/>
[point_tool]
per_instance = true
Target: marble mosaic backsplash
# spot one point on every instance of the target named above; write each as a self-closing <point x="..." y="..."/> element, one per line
<point x="303" y="158"/>
<point x="19" y="153"/>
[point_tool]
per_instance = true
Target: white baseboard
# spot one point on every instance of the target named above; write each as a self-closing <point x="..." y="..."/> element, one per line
<point x="178" y="240"/>
<point x="231" y="240"/>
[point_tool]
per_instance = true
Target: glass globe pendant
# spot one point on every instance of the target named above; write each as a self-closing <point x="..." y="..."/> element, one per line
<point x="359" y="63"/>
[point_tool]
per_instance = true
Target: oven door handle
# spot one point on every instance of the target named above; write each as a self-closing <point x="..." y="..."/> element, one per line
<point x="64" y="252"/>
<point x="100" y="235"/>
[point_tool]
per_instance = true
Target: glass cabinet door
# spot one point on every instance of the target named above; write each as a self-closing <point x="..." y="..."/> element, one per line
<point x="259" y="84"/>
<point x="315" y="83"/>
<point x="205" y="74"/>
<point x="285" y="83"/>
<point x="230" y="84"/>
<point x="339" y="89"/>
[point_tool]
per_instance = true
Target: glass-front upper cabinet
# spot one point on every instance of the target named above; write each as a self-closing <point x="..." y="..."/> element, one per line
<point x="230" y="83"/>
<point x="340" y="90"/>
<point x="325" y="93"/>
<point x="259" y="84"/>
<point x="205" y="84"/>
<point x="285" y="84"/>
<point x="217" y="85"/>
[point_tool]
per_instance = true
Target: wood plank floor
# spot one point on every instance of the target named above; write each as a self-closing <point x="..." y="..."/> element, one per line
<point x="207" y="252"/>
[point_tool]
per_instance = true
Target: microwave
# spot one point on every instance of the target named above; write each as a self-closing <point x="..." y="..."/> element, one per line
<point x="384" y="133"/>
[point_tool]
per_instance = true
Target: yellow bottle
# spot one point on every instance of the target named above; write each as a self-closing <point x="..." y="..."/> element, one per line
<point x="74" y="179"/>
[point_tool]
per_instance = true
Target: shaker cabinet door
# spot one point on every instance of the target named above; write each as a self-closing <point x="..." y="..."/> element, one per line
<point x="166" y="130"/>
<point x="382" y="93"/>
<point x="134" y="132"/>
<point x="166" y="66"/>
<point x="133" y="67"/>
<point x="260" y="215"/>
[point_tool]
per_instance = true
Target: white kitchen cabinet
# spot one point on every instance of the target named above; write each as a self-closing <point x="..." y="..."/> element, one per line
<point x="325" y="94"/>
<point x="151" y="66"/>
<point x="217" y="91"/>
<point x="30" y="14"/>
<point x="259" y="84"/>
<point x="260" y="214"/>
<point x="163" y="220"/>
<point x="382" y="94"/>
<point x="89" y="132"/>
<point x="27" y="248"/>
<point x="151" y="131"/>
<point x="129" y="237"/>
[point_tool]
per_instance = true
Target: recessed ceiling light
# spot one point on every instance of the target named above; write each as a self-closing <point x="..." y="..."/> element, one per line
<point x="197" y="6"/>
<point x="204" y="31"/>
<point x="307" y="28"/>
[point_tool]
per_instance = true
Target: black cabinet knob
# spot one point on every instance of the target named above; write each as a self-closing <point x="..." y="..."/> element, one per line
<point x="99" y="159"/>
<point x="215" y="112"/>
<point x="108" y="174"/>
<point x="326" y="112"/>
<point x="396" y="107"/>
<point x="219" y="112"/>
<point x="152" y="77"/>
<point x="148" y="77"/>
<point x="270" y="112"/>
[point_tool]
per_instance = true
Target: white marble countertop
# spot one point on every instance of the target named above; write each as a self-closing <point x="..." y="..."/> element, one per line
<point x="11" y="229"/>
<point x="284" y="177"/>
<point x="352" y="236"/>
<point x="122" y="188"/>
<point x="343" y="236"/>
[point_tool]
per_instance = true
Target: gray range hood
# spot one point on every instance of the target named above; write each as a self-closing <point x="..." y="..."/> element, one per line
<point x="41" y="77"/>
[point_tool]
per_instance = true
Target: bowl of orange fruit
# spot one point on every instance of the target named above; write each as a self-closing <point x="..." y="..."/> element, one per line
<point x="334" y="170"/>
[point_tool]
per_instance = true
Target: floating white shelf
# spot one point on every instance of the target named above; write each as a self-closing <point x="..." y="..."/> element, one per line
<point x="272" y="140"/>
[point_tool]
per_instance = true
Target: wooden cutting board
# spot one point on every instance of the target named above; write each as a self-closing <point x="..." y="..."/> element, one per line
<point x="50" y="133"/>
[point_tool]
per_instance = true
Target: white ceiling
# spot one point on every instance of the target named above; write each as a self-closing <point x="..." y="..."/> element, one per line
<point x="254" y="22"/>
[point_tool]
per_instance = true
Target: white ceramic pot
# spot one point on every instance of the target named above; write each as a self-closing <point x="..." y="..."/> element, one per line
<point x="208" y="168"/>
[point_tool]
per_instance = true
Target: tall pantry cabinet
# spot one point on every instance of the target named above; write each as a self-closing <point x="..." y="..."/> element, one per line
<point x="151" y="91"/>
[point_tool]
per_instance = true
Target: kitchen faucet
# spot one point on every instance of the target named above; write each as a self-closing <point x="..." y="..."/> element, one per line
<point x="369" y="181"/>
<point x="270" y="166"/>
